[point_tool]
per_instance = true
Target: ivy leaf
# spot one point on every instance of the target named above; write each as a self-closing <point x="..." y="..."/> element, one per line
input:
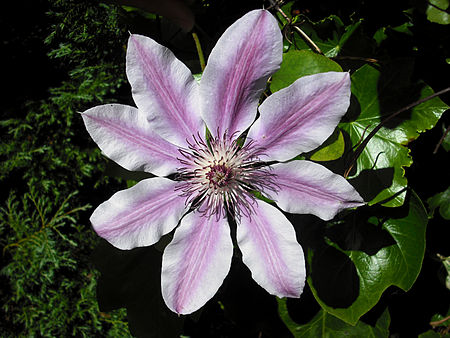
<point x="326" y="325"/>
<point x="385" y="156"/>
<point x="332" y="149"/>
<point x="441" y="201"/>
<point x="329" y="34"/>
<point x="370" y="250"/>
<point x="443" y="324"/>
<point x="382" y="33"/>
<point x="446" y="141"/>
<point x="436" y="11"/>
<point x="298" y="63"/>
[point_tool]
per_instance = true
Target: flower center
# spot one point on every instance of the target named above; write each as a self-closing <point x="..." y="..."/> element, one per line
<point x="220" y="176"/>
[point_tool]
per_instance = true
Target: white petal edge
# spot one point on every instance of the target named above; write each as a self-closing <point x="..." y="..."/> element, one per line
<point x="196" y="262"/>
<point x="306" y="187"/>
<point x="301" y="117"/>
<point x="124" y="136"/>
<point x="164" y="90"/>
<point x="140" y="215"/>
<point x="270" y="250"/>
<point x="238" y="67"/>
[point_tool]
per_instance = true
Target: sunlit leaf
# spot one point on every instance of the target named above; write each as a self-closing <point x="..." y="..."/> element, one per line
<point x="298" y="63"/>
<point x="331" y="149"/>
<point x="436" y="11"/>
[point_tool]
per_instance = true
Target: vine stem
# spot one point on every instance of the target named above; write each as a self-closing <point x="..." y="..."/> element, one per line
<point x="201" y="58"/>
<point x="438" y="322"/>
<point x="441" y="140"/>
<point x="364" y="143"/>
<point x="299" y="31"/>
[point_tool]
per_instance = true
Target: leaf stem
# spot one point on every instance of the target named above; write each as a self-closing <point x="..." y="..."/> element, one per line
<point x="364" y="143"/>
<point x="357" y="58"/>
<point x="201" y="58"/>
<point x="441" y="140"/>
<point x="299" y="31"/>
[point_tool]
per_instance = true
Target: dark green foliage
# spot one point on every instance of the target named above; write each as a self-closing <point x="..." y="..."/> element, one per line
<point x="65" y="56"/>
<point x="52" y="287"/>
<point x="48" y="286"/>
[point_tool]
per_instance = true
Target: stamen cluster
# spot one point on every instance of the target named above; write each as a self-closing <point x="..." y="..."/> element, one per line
<point x="220" y="175"/>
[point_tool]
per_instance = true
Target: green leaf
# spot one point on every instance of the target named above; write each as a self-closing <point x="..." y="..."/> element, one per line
<point x="430" y="334"/>
<point x="331" y="149"/>
<point x="443" y="325"/>
<point x="445" y="273"/>
<point x="379" y="246"/>
<point x="197" y="77"/>
<point x="329" y="34"/>
<point x="326" y="325"/>
<point x="436" y="11"/>
<point x="386" y="155"/>
<point x="298" y="63"/>
<point x="382" y="33"/>
<point x="446" y="140"/>
<point x="441" y="201"/>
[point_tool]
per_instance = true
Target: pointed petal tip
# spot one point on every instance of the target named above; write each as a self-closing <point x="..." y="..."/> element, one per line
<point x="270" y="250"/>
<point x="307" y="187"/>
<point x="140" y="215"/>
<point x="300" y="117"/>
<point x="248" y="52"/>
<point x="195" y="263"/>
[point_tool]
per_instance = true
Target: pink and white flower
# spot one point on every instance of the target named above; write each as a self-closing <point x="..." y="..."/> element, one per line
<point x="205" y="177"/>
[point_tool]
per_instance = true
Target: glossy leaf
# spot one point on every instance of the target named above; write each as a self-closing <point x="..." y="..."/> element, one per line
<point x="326" y="325"/>
<point x="446" y="141"/>
<point x="438" y="322"/>
<point x="331" y="149"/>
<point x="382" y="33"/>
<point x="441" y="201"/>
<point x="329" y="34"/>
<point x="436" y="11"/>
<point x="379" y="248"/>
<point x="298" y="63"/>
<point x="379" y="94"/>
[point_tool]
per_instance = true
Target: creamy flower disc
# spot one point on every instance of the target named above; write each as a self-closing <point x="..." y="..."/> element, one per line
<point x="219" y="177"/>
<point x="200" y="180"/>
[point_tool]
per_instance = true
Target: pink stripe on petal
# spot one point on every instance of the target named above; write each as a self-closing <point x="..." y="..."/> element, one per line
<point x="237" y="71"/>
<point x="196" y="262"/>
<point x="164" y="89"/>
<point x="302" y="116"/>
<point x="308" y="188"/>
<point x="126" y="138"/>
<point x="271" y="252"/>
<point x="140" y="215"/>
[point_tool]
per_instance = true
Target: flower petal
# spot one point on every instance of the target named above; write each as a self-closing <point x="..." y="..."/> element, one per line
<point x="270" y="250"/>
<point x="308" y="188"/>
<point x="302" y="116"/>
<point x="238" y="67"/>
<point x="164" y="88"/>
<point x="196" y="262"/>
<point x="125" y="137"/>
<point x="140" y="215"/>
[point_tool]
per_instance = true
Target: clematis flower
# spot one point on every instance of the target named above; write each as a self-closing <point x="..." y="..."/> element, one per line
<point x="191" y="136"/>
